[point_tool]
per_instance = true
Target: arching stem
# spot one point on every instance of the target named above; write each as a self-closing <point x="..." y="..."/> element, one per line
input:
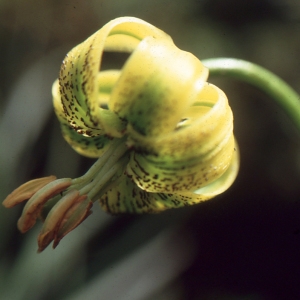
<point x="284" y="95"/>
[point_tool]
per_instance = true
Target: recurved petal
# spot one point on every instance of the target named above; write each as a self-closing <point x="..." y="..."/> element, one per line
<point x="92" y="147"/>
<point x="193" y="155"/>
<point x="127" y="197"/>
<point x="158" y="83"/>
<point x="84" y="140"/>
<point x="78" y="79"/>
<point x="222" y="183"/>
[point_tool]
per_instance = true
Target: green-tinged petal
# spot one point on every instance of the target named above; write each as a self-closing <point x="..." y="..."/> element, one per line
<point x="90" y="146"/>
<point x="78" y="80"/>
<point x="158" y="83"/>
<point x="127" y="197"/>
<point x="193" y="155"/>
<point x="224" y="182"/>
<point x="112" y="124"/>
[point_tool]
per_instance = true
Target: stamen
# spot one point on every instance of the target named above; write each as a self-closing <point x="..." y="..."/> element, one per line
<point x="56" y="216"/>
<point x="95" y="180"/>
<point x="74" y="216"/>
<point x="36" y="203"/>
<point x="103" y="179"/>
<point x="86" y="182"/>
<point x="106" y="171"/>
<point x="26" y="191"/>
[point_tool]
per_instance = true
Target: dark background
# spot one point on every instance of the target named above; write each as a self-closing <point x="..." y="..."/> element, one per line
<point x="244" y="244"/>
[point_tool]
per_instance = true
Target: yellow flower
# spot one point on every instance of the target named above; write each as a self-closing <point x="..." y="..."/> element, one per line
<point x="163" y="135"/>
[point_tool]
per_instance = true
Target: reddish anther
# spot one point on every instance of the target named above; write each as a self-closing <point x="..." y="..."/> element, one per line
<point x="58" y="218"/>
<point x="36" y="203"/>
<point x="26" y="191"/>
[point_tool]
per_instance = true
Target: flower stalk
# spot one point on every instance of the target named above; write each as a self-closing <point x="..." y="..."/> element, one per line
<point x="278" y="90"/>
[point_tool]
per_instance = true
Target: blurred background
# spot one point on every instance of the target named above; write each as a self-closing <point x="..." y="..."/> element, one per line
<point x="244" y="244"/>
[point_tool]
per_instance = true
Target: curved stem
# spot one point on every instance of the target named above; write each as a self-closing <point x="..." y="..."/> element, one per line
<point x="285" y="96"/>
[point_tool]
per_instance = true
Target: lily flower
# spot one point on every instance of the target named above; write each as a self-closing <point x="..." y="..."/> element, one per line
<point x="162" y="134"/>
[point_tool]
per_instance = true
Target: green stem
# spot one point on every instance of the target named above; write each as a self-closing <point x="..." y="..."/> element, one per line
<point x="285" y="96"/>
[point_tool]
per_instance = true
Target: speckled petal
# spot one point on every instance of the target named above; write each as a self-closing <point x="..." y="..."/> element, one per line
<point x="193" y="155"/>
<point x="127" y="197"/>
